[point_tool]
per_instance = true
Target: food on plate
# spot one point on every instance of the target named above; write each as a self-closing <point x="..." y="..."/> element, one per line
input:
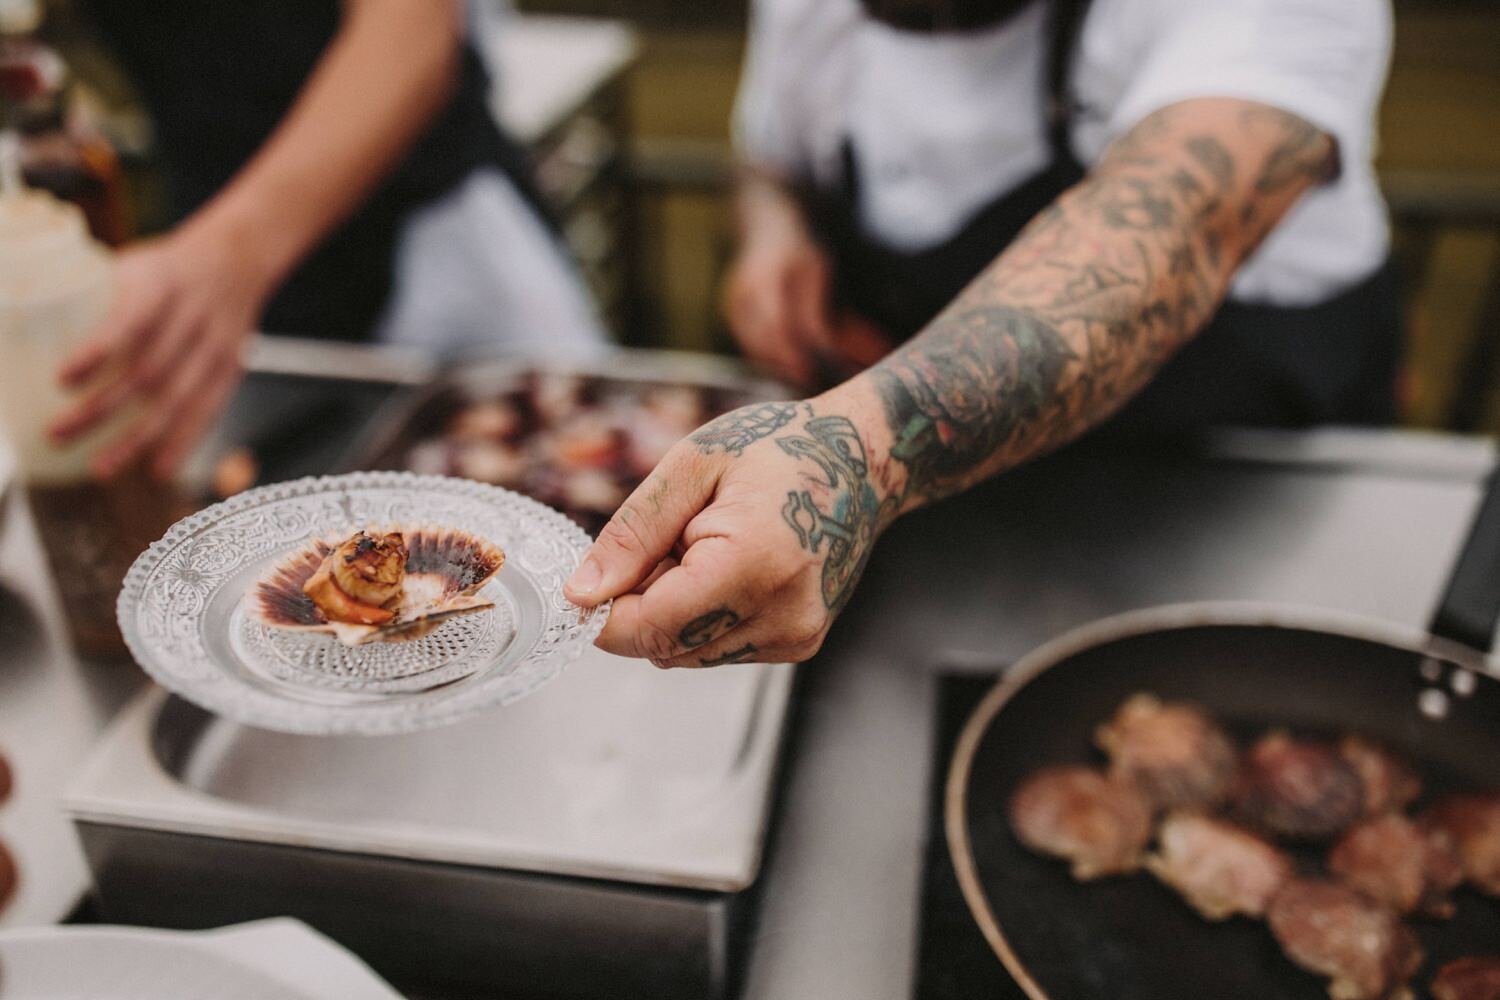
<point x="360" y="579"/>
<point x="1475" y="977"/>
<point x="1390" y="783"/>
<point x="375" y="585"/>
<point x="1174" y="751"/>
<point x="1297" y="789"/>
<point x="1396" y="862"/>
<point x="1220" y="869"/>
<point x="1471" y="823"/>
<point x="1330" y="929"/>
<point x="1099" y="824"/>
<point x="493" y="420"/>
<point x="493" y="462"/>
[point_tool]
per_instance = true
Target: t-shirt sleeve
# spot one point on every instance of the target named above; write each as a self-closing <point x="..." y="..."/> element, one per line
<point x="1322" y="60"/>
<point x="792" y="87"/>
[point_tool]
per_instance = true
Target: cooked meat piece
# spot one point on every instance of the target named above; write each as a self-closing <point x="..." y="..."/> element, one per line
<point x="556" y="395"/>
<point x="1476" y="977"/>
<point x="1332" y="930"/>
<point x="430" y="458"/>
<point x="592" y="490"/>
<point x="1472" y="822"/>
<point x="1396" y="862"/>
<point x="1391" y="784"/>
<point x="1099" y="824"/>
<point x="1173" y="750"/>
<point x="491" y="462"/>
<point x="1219" y="868"/>
<point x="494" y="420"/>
<point x="360" y="579"/>
<point x="1299" y="789"/>
<point x="587" y="441"/>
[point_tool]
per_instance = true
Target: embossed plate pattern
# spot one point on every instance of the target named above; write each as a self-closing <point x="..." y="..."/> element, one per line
<point x="183" y="606"/>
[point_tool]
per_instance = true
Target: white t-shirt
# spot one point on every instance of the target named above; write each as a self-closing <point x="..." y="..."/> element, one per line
<point x="943" y="123"/>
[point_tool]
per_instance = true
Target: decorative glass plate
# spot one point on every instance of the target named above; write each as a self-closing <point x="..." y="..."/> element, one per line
<point x="186" y="609"/>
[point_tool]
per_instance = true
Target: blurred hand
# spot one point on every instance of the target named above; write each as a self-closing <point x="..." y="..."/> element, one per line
<point x="772" y="512"/>
<point x="777" y="293"/>
<point x="170" y="345"/>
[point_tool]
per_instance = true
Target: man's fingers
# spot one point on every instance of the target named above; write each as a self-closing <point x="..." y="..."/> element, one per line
<point x="202" y="411"/>
<point x="160" y="414"/>
<point x="808" y="291"/>
<point x="644" y="530"/>
<point x="692" y="606"/>
<point x="129" y="320"/>
<point x="735" y="646"/>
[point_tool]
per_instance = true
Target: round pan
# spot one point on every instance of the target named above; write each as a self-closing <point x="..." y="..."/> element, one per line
<point x="1255" y="667"/>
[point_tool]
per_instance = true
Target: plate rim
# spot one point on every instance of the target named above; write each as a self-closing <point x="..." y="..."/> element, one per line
<point x="340" y="720"/>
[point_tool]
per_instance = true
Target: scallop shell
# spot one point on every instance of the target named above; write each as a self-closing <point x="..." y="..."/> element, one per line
<point x="445" y="570"/>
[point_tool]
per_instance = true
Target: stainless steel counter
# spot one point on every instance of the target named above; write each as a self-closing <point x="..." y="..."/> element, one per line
<point x="1366" y="523"/>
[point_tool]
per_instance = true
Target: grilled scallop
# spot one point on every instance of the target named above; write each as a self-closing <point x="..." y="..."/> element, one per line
<point x="379" y="586"/>
<point x="1298" y="789"/>
<point x="1174" y="751"/>
<point x="1361" y="946"/>
<point x="1219" y="868"/>
<point x="1099" y="824"/>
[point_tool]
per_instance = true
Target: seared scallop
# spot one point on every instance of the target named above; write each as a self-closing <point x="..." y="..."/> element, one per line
<point x="1329" y="929"/>
<point x="1099" y="824"/>
<point x="1219" y="868"/>
<point x="1396" y="862"/>
<point x="1174" y="751"/>
<point x="1298" y="789"/>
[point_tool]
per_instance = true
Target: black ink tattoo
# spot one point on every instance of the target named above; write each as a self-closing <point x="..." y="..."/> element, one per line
<point x="707" y="627"/>
<point x="845" y="523"/>
<point x="740" y="655"/>
<point x="739" y="429"/>
<point x="1093" y="297"/>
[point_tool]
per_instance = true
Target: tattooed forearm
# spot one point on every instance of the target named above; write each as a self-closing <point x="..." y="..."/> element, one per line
<point x="1095" y="295"/>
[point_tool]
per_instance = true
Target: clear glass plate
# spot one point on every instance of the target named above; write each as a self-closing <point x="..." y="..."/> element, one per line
<point x="184" y="609"/>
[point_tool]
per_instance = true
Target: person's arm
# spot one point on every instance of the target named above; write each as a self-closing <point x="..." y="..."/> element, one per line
<point x="185" y="303"/>
<point x="776" y="507"/>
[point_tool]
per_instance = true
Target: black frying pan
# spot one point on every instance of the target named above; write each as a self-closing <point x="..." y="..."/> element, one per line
<point x="1431" y="697"/>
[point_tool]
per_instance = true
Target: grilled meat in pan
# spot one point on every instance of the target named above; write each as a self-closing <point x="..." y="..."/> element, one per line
<point x="1219" y="868"/>
<point x="1476" y="977"/>
<point x="1099" y="824"/>
<point x="1297" y="789"/>
<point x="1329" y="929"/>
<point x="1174" y="751"/>
<point x="1396" y="862"/>
<point x="1472" y="825"/>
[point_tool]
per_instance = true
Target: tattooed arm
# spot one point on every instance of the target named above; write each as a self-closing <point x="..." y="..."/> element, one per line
<point x="774" y="508"/>
<point x="1093" y="297"/>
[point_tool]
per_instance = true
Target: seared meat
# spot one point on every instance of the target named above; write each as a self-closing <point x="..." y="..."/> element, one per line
<point x="360" y="580"/>
<point x="1472" y="824"/>
<point x="1173" y="750"/>
<point x="1332" y="930"/>
<point x="1471" y="978"/>
<point x="1299" y="789"/>
<point x="1391" y="784"/>
<point x="1219" y="868"/>
<point x="1099" y="824"/>
<point x="1394" y="861"/>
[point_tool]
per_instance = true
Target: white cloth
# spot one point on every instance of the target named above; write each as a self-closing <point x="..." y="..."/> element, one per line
<point x="477" y="273"/>
<point x="943" y="123"/>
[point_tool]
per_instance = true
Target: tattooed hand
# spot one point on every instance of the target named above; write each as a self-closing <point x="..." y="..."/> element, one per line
<point x="774" y="509"/>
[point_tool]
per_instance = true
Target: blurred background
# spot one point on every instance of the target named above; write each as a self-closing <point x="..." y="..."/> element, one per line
<point x="634" y="152"/>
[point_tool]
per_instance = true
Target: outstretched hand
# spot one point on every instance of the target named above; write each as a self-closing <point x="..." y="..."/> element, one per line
<point x="743" y="544"/>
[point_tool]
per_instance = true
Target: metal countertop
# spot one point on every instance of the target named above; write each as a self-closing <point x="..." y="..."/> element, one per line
<point x="1368" y="523"/>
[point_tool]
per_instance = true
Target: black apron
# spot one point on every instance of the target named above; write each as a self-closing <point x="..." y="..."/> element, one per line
<point x="1252" y="365"/>
<point x="219" y="75"/>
